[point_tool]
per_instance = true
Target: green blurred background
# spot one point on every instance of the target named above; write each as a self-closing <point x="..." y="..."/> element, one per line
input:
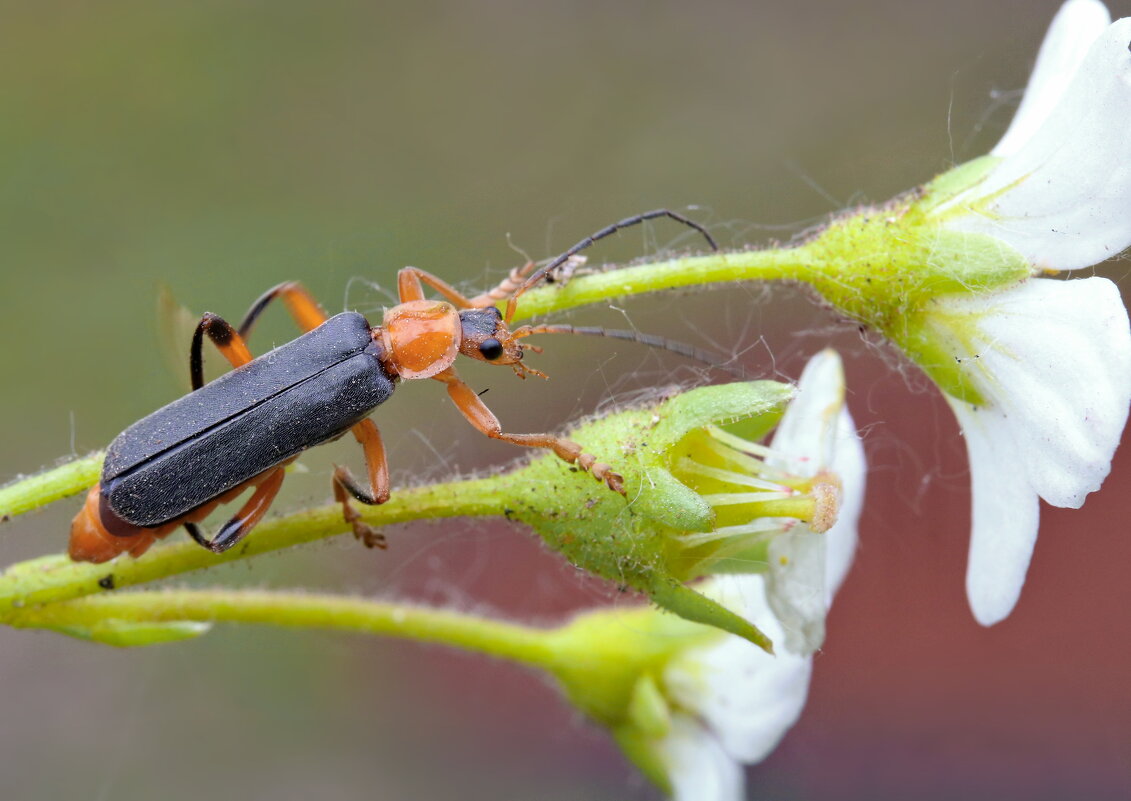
<point x="218" y="148"/>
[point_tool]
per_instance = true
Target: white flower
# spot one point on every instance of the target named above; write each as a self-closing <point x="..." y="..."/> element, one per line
<point x="1059" y="192"/>
<point x="1052" y="360"/>
<point x="816" y="438"/>
<point x="689" y="701"/>
<point x="731" y="702"/>
<point x="813" y="472"/>
<point x="1049" y="362"/>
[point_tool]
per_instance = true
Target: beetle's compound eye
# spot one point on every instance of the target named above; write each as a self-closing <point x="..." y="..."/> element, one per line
<point x="491" y="349"/>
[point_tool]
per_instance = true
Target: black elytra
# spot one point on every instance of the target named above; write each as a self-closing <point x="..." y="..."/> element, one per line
<point x="306" y="392"/>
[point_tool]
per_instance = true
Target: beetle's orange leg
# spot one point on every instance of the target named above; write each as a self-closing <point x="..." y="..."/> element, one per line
<point x="245" y="520"/>
<point x="226" y="339"/>
<point x="505" y="288"/>
<point x="477" y="413"/>
<point x="409" y="287"/>
<point x="509" y="285"/>
<point x="345" y="485"/>
<point x="305" y="310"/>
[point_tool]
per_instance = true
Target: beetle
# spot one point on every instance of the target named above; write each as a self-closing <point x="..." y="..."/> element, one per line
<point x="241" y="430"/>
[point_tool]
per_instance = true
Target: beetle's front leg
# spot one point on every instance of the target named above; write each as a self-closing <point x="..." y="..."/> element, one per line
<point x="345" y="485"/>
<point x="477" y="413"/>
<point x="410" y="281"/>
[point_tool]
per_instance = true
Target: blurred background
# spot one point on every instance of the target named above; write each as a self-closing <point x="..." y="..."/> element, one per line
<point x="219" y="148"/>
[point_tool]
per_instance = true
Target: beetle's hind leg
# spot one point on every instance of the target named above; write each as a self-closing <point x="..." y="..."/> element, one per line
<point x="345" y="485"/>
<point x="226" y="339"/>
<point x="246" y="519"/>
<point x="305" y="310"/>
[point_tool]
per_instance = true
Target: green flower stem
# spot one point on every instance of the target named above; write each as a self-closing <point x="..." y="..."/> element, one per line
<point x="795" y="264"/>
<point x="517" y="643"/>
<point x="57" y="578"/>
<point x="43" y="488"/>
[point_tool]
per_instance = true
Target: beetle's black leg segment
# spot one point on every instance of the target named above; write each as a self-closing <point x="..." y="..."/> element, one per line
<point x="226" y="339"/>
<point x="305" y="310"/>
<point x="599" y="235"/>
<point x="245" y="520"/>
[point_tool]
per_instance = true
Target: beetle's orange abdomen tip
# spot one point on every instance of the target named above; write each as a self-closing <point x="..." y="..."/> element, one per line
<point x="91" y="542"/>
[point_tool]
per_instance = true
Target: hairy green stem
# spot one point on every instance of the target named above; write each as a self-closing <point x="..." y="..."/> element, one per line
<point x="57" y="578"/>
<point x="527" y="645"/>
<point x="795" y="264"/>
<point x="32" y="492"/>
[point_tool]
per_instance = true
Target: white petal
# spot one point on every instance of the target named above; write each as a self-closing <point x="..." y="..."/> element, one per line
<point x="698" y="767"/>
<point x="1073" y="29"/>
<point x="806" y="431"/>
<point x="849" y="465"/>
<point x="796" y="587"/>
<point x="1063" y="199"/>
<point x="1054" y="361"/>
<point x="748" y="698"/>
<point x="1005" y="513"/>
<point x="806" y="569"/>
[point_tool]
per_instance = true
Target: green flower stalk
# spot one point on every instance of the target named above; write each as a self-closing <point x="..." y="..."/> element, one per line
<point x="686" y="702"/>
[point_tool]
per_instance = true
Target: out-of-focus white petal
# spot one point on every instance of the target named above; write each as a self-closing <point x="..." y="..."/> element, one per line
<point x="1073" y="30"/>
<point x="748" y="698"/>
<point x="796" y="587"/>
<point x="1062" y="199"/>
<point x="848" y="463"/>
<point x="698" y="767"/>
<point x="1053" y="361"/>
<point x="1005" y="512"/>
<point x="806" y="430"/>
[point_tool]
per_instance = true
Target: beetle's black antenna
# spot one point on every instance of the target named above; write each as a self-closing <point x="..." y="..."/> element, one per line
<point x="652" y="341"/>
<point x="541" y="272"/>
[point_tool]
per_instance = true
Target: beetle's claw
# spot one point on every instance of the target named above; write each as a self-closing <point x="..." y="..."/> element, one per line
<point x="369" y="536"/>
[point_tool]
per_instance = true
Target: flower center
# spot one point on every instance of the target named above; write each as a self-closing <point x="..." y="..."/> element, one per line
<point x="757" y="493"/>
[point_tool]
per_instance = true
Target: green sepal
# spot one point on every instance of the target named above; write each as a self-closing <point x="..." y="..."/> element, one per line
<point x="671" y="502"/>
<point x="641" y="749"/>
<point x="758" y="404"/>
<point x="670" y="594"/>
<point x="647" y="709"/>
<point x="946" y="185"/>
<point x="129" y="634"/>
